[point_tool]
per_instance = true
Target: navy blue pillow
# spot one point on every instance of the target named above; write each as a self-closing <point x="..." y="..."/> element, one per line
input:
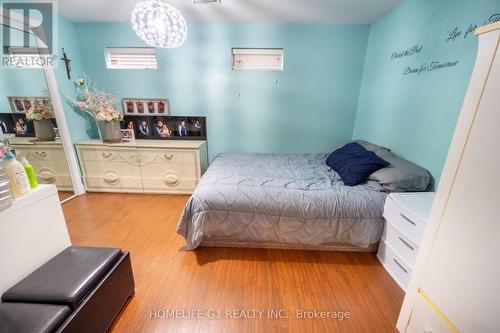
<point x="355" y="164"/>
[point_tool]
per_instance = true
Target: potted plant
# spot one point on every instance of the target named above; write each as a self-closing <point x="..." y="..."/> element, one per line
<point x="41" y="114"/>
<point x="101" y="106"/>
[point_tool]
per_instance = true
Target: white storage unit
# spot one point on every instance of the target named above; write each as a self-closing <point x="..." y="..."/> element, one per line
<point x="405" y="220"/>
<point x="32" y="231"/>
<point x="455" y="283"/>
<point x="143" y="166"/>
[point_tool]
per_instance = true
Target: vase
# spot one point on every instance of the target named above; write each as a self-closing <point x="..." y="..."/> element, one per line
<point x="44" y="130"/>
<point x="111" y="131"/>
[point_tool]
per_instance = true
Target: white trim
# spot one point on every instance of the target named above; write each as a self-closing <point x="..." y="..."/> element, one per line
<point x="74" y="171"/>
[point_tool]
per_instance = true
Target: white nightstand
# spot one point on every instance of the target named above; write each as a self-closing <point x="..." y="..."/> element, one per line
<point x="405" y="220"/>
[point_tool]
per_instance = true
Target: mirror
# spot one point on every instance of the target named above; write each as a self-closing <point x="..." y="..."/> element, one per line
<point x="28" y="122"/>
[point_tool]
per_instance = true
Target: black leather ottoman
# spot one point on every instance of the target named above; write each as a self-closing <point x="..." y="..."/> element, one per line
<point x="94" y="283"/>
<point x="35" y="318"/>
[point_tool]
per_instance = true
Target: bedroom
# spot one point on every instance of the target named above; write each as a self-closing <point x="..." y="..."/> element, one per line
<point x="261" y="166"/>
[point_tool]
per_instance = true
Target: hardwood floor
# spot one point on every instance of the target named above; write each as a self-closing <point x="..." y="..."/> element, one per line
<point x="226" y="279"/>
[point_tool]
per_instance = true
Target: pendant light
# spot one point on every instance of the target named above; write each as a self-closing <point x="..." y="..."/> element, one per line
<point x="159" y="24"/>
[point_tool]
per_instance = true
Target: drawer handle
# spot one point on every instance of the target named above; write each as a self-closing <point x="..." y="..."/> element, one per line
<point x="407" y="219"/>
<point x="406" y="243"/>
<point x="41" y="154"/>
<point x="167" y="157"/>
<point x="47" y="176"/>
<point x="400" y="266"/>
<point x="107" y="155"/>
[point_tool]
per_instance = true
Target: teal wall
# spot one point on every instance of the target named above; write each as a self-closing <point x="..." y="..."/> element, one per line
<point x="416" y="114"/>
<point x="81" y="125"/>
<point x="311" y="107"/>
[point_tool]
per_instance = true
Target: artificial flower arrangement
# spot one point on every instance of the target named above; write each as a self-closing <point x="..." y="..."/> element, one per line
<point x="39" y="111"/>
<point x="98" y="103"/>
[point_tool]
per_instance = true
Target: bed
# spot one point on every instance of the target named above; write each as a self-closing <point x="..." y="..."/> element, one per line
<point x="281" y="201"/>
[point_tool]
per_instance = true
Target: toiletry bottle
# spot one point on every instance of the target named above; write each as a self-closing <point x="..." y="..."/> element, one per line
<point x="30" y="172"/>
<point x="19" y="183"/>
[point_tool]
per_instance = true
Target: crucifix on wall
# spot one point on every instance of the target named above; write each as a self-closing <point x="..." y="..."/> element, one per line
<point x="67" y="62"/>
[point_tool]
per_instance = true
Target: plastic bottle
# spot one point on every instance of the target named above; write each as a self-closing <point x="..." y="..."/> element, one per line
<point x="30" y="172"/>
<point x="18" y="179"/>
<point x="5" y="192"/>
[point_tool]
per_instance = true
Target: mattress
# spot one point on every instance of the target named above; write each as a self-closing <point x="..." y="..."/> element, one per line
<point x="286" y="201"/>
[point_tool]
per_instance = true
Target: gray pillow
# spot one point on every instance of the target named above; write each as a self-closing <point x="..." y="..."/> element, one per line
<point x="365" y="144"/>
<point x="401" y="175"/>
<point x="370" y="146"/>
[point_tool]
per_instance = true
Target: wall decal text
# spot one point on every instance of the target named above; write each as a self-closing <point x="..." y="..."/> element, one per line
<point x="456" y="32"/>
<point x="406" y="53"/>
<point x="429" y="67"/>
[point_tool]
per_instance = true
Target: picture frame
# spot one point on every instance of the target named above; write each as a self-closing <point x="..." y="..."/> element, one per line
<point x="128" y="135"/>
<point x="166" y="127"/>
<point x="146" y="106"/>
<point x="21" y="104"/>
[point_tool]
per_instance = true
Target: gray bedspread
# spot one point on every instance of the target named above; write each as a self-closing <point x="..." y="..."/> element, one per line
<point x="281" y="199"/>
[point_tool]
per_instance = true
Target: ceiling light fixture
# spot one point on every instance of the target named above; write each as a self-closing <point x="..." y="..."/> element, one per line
<point x="159" y="24"/>
<point x="206" y="1"/>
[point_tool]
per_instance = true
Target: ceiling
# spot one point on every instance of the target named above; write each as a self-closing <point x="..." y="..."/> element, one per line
<point x="239" y="11"/>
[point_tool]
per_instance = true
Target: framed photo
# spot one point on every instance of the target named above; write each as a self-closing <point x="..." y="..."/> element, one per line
<point x="21" y="104"/>
<point x="145" y="106"/>
<point x="166" y="127"/>
<point x="128" y="135"/>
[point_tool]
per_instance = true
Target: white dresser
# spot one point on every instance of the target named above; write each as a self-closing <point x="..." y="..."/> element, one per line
<point x="142" y="166"/>
<point x="405" y="220"/>
<point x="48" y="160"/>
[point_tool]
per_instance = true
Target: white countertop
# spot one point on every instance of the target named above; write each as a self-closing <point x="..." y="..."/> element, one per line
<point x="179" y="144"/>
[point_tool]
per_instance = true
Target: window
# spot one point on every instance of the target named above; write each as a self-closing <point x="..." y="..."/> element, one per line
<point x="258" y="59"/>
<point x="131" y="58"/>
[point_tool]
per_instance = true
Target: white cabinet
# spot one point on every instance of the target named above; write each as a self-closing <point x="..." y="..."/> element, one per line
<point x="455" y="284"/>
<point x="48" y="160"/>
<point x="405" y="220"/>
<point x="142" y="166"/>
<point x="32" y="231"/>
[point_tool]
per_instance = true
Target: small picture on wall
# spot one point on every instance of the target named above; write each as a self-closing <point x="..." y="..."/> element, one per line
<point x="23" y="104"/>
<point x="149" y="106"/>
<point x="128" y="134"/>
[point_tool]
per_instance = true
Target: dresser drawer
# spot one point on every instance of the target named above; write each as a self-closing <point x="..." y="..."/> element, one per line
<point x="394" y="265"/>
<point x="157" y="170"/>
<point x="165" y="178"/>
<point x="169" y="156"/>
<point x="170" y="183"/>
<point x="411" y="226"/>
<point x="112" y="176"/>
<point x="402" y="246"/>
<point x="121" y="155"/>
<point x="35" y="153"/>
